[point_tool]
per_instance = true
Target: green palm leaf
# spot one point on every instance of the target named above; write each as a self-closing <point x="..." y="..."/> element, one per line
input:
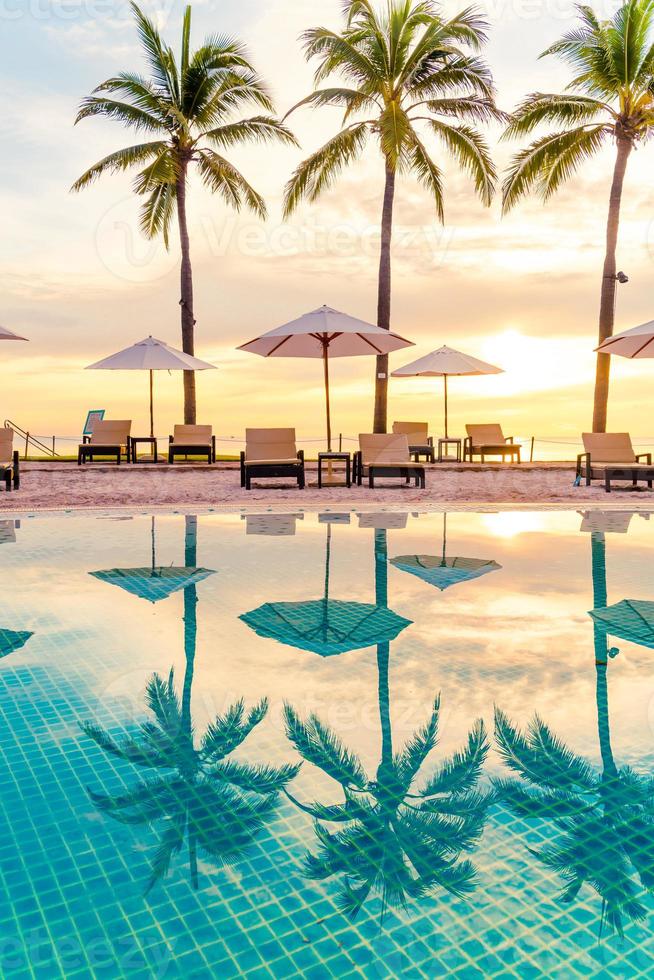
<point x="323" y="748"/>
<point x="461" y="772"/>
<point x="320" y="170"/>
<point x="255" y="779"/>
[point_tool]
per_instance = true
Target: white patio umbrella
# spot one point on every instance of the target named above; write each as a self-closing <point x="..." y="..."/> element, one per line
<point x="326" y="333"/>
<point x="151" y="355"/>
<point x="444" y="363"/>
<point x="635" y="343"/>
<point x="9" y="335"/>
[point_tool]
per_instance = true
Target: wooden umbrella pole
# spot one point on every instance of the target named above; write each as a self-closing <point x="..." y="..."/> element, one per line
<point x="325" y="360"/>
<point x="152" y="405"/>
<point x="445" y="390"/>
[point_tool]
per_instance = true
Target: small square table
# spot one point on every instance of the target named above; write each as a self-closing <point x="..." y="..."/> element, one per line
<point x="339" y="458"/>
<point x="443" y="443"/>
<point x="146" y="440"/>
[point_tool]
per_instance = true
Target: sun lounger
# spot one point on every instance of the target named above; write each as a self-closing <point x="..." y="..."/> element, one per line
<point x="386" y="454"/>
<point x="420" y="442"/>
<point x="610" y="455"/>
<point x="192" y="440"/>
<point x="489" y="440"/>
<point x="9" y="460"/>
<point x="107" y="439"/>
<point x="271" y="453"/>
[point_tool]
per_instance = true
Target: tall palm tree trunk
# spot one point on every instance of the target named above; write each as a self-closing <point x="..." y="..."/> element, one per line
<point x="384" y="300"/>
<point x="598" y="561"/>
<point x="383" y="651"/>
<point x="190" y="620"/>
<point x="609" y="284"/>
<point x="186" y="297"/>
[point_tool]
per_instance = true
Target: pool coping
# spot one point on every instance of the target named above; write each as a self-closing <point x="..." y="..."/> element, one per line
<point x="286" y="507"/>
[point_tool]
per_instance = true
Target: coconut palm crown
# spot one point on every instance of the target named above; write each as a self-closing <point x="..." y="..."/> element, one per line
<point x="610" y="100"/>
<point x="190" y="107"/>
<point x="404" y="75"/>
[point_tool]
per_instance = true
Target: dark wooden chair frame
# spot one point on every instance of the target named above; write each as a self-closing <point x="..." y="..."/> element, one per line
<point x="88" y="450"/>
<point x="585" y="470"/>
<point x="255" y="470"/>
<point x="425" y="449"/>
<point x="11" y="473"/>
<point x="506" y="448"/>
<point x="189" y="449"/>
<point x="411" y="470"/>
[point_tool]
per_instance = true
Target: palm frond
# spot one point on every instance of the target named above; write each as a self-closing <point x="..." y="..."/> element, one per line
<point x="548" y="161"/>
<point x="120" y="160"/>
<point x="460" y="773"/>
<point x="223" y="178"/>
<point x="565" y="110"/>
<point x="258" y="129"/>
<point x="321" y="747"/>
<point x="157" y="212"/>
<point x="126" y="748"/>
<point x="320" y="170"/>
<point x="229" y="730"/>
<point x="479" y="108"/>
<point x="159" y="57"/>
<point x="415" y="752"/>
<point x="471" y="151"/>
<point x="261" y="779"/>
<point x="428" y="173"/>
<point x="129" y="115"/>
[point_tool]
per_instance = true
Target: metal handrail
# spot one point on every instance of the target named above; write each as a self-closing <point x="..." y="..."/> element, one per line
<point x="31" y="440"/>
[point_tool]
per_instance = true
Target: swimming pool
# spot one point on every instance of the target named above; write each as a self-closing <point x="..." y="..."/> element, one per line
<point x="218" y="745"/>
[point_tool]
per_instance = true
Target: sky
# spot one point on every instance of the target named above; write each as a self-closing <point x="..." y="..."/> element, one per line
<point x="80" y="282"/>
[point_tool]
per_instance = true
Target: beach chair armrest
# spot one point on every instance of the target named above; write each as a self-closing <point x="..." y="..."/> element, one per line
<point x="646" y="456"/>
<point x="509" y="439"/>
<point x="16" y="470"/>
<point x="300" y="455"/>
<point x="213" y="449"/>
<point x="430" y="441"/>
<point x="171" y="440"/>
<point x="581" y="458"/>
<point x="86" y="440"/>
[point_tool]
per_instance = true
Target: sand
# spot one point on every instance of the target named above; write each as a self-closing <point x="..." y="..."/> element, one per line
<point x="64" y="486"/>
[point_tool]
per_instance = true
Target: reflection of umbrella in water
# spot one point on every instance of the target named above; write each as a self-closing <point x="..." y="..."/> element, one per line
<point x="11" y="640"/>
<point x="326" y="626"/>
<point x="631" y="620"/>
<point x="441" y="571"/>
<point x="155" y="582"/>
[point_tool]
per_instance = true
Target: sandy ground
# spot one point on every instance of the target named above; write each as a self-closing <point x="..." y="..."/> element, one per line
<point x="57" y="486"/>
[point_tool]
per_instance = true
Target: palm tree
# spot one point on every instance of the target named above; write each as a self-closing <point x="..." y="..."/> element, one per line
<point x="198" y="792"/>
<point x="403" y="840"/>
<point x="609" y="100"/>
<point x="605" y="819"/>
<point x="400" y="72"/>
<point x="191" y="108"/>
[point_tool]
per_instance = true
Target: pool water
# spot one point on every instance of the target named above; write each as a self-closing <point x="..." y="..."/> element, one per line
<point x="346" y="744"/>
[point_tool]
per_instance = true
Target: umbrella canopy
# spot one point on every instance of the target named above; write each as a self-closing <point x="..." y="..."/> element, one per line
<point x="444" y="363"/>
<point x="151" y="355"/>
<point x="444" y="572"/>
<point x="634" y="343"/>
<point x="153" y="584"/>
<point x="441" y="571"/>
<point x="326" y="626"/>
<point x="326" y="333"/>
<point x="10" y="641"/>
<point x="631" y="620"/>
<point x="9" y="335"/>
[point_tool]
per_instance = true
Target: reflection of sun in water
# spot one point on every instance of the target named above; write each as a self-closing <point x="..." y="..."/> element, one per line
<point x="508" y="524"/>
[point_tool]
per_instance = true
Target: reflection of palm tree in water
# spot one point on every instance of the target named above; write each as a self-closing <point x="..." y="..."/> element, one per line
<point x="402" y="841"/>
<point x="606" y="820"/>
<point x="219" y="805"/>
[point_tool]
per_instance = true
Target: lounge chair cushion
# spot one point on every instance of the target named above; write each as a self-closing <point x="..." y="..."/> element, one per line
<point x="485" y="435"/>
<point x="291" y="461"/>
<point x="385" y="449"/>
<point x="6" y="446"/>
<point x="192" y="435"/>
<point x="270" y="446"/>
<point x="609" y="447"/>
<point x="416" y="432"/>
<point x="111" y="433"/>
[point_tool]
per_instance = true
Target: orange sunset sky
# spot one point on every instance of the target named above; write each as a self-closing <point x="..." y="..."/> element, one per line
<point x="79" y="280"/>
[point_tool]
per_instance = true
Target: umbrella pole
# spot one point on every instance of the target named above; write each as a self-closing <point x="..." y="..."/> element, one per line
<point x="445" y="392"/>
<point x="152" y="406"/>
<point x="325" y="360"/>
